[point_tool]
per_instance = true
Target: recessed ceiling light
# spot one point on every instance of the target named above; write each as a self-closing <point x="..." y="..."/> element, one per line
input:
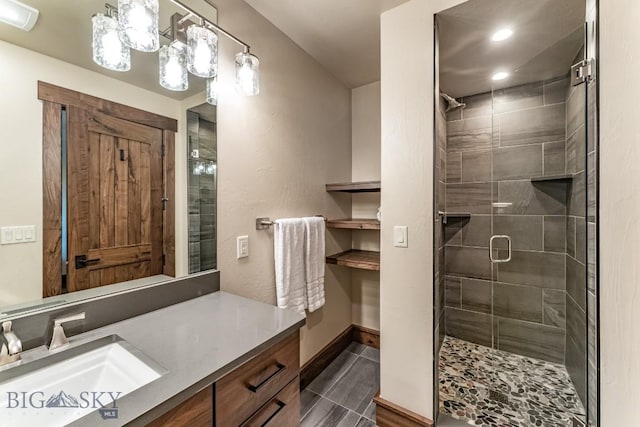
<point x="502" y="34"/>
<point x="18" y="14"/>
<point x="501" y="75"/>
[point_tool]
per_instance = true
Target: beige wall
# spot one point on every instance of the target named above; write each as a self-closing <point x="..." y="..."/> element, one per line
<point x="276" y="153"/>
<point x="406" y="288"/>
<point x="619" y="208"/>
<point x="365" y="166"/>
<point x="21" y="155"/>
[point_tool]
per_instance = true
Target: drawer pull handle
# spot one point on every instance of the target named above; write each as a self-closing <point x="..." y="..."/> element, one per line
<point x="280" y="405"/>
<point x="255" y="388"/>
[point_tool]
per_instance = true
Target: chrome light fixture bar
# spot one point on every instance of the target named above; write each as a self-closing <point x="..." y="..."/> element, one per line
<point x="193" y="47"/>
<point x="247" y="64"/>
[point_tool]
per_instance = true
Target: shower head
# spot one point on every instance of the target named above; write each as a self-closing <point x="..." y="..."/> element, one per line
<point x="453" y="103"/>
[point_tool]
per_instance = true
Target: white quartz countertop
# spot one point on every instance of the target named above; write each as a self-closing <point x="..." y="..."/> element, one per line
<point x="197" y="342"/>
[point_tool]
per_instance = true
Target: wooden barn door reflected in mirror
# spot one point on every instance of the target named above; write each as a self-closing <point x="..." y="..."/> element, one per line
<point x="119" y="183"/>
<point x="114" y="173"/>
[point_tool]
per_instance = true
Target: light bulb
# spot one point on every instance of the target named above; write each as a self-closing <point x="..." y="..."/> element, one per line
<point x="201" y="58"/>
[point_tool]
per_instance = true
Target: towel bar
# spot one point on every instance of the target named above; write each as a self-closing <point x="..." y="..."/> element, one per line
<point x="265" y="222"/>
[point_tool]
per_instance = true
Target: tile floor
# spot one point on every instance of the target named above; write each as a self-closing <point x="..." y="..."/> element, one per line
<point x="539" y="393"/>
<point x="342" y="395"/>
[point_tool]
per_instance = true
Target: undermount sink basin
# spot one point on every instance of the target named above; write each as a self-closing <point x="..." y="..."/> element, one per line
<point x="61" y="388"/>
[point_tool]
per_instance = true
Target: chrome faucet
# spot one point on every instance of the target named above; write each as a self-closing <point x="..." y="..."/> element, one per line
<point x="10" y="347"/>
<point x="59" y="339"/>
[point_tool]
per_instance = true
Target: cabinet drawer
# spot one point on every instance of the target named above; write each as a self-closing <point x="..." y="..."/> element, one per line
<point x="243" y="391"/>
<point x="281" y="411"/>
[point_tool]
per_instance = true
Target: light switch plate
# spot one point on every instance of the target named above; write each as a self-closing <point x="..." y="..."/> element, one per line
<point x="19" y="234"/>
<point x="242" y="249"/>
<point x="400" y="236"/>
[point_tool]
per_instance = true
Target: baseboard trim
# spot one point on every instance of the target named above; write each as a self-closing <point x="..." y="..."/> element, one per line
<point x="389" y="414"/>
<point x="324" y="357"/>
<point x="328" y="354"/>
<point x="366" y="336"/>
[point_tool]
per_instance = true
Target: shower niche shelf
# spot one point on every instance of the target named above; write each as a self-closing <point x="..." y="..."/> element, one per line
<point x="446" y="216"/>
<point x="355" y="187"/>
<point x="553" y="178"/>
<point x="363" y="260"/>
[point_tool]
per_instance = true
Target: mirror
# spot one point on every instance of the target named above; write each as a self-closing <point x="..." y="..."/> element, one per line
<point x="202" y="175"/>
<point x="58" y="52"/>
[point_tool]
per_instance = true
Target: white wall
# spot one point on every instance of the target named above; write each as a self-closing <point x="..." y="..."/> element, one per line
<point x="21" y="156"/>
<point x="619" y="208"/>
<point x="276" y="153"/>
<point x="365" y="166"/>
<point x="406" y="288"/>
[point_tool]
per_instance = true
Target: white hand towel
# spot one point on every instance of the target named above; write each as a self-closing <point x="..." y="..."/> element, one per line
<point x="314" y="260"/>
<point x="289" y="263"/>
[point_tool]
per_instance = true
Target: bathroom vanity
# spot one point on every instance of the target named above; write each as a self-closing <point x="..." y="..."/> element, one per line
<point x="221" y="360"/>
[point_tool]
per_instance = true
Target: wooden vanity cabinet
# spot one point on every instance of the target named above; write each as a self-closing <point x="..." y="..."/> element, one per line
<point x="261" y="387"/>
<point x="264" y="391"/>
<point x="197" y="411"/>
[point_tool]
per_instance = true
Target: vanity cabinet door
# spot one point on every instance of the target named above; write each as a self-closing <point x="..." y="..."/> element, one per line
<point x="249" y="387"/>
<point x="195" y="412"/>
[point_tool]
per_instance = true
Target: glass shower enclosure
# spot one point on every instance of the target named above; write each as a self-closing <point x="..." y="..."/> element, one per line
<point x="516" y="229"/>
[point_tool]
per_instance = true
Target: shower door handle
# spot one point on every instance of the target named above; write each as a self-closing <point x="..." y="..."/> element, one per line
<point x="503" y="260"/>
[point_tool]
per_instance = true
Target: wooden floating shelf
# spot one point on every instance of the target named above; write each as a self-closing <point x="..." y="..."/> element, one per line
<point x="364" y="260"/>
<point x="564" y="177"/>
<point x="355" y="187"/>
<point x="355" y="223"/>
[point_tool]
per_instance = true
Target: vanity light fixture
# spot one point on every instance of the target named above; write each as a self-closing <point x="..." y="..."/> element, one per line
<point x="18" y="14"/>
<point x="212" y="91"/>
<point x="108" y="50"/>
<point x="247" y="78"/>
<point x="193" y="47"/>
<point x="202" y="48"/>
<point x="501" y="75"/>
<point x="173" y="67"/>
<point x="139" y="24"/>
<point x="502" y="34"/>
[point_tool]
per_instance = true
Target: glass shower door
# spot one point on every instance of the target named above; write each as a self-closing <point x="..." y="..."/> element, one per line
<point x="538" y="240"/>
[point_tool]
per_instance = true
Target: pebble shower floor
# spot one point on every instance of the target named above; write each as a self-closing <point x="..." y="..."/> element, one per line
<point x="474" y="380"/>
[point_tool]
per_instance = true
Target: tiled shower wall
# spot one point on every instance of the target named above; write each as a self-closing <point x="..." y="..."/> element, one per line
<point x="201" y="135"/>
<point x="517" y="306"/>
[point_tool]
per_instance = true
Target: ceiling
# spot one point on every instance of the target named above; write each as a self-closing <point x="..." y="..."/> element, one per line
<point x="63" y="31"/>
<point x="547" y="36"/>
<point x="342" y="35"/>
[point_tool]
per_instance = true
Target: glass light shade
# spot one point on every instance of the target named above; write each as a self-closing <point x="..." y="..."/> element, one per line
<point x="108" y="50"/>
<point x="202" y="52"/>
<point x="139" y="24"/>
<point x="173" y="67"/>
<point x="210" y="168"/>
<point x="199" y="168"/>
<point x="212" y="91"/>
<point x="247" y="74"/>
